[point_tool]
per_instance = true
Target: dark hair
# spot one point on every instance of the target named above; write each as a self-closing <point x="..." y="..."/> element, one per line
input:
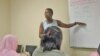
<point x="49" y="9"/>
<point x="52" y="41"/>
<point x="49" y="44"/>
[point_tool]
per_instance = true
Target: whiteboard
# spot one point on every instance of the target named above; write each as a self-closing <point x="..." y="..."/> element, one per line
<point x="87" y="11"/>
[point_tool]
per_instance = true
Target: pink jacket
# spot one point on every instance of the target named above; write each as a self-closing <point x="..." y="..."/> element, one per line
<point x="8" y="46"/>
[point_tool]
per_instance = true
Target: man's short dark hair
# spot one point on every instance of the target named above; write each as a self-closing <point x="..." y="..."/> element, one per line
<point x="53" y="41"/>
<point x="49" y="44"/>
<point x="49" y="9"/>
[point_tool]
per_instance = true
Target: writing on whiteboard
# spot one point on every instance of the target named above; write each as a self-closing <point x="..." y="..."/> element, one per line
<point x="82" y="2"/>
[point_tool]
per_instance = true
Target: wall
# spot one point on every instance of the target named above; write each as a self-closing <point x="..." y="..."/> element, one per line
<point x="26" y="16"/>
<point x="4" y="17"/>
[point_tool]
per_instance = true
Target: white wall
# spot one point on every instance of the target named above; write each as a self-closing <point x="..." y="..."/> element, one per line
<point x="4" y="17"/>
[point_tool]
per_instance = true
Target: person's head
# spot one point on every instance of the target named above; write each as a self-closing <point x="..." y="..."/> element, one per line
<point x="9" y="42"/>
<point x="52" y="41"/>
<point x="48" y="13"/>
<point x="49" y="44"/>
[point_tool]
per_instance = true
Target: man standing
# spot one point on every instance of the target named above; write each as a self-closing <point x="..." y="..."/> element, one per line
<point x="52" y="22"/>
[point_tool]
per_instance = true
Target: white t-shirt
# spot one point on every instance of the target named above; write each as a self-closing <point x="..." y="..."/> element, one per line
<point x="46" y="24"/>
<point x="39" y="52"/>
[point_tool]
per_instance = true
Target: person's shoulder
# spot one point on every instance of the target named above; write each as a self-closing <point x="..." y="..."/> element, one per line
<point x="43" y="21"/>
<point x="59" y="53"/>
<point x="38" y="51"/>
<point x="57" y="20"/>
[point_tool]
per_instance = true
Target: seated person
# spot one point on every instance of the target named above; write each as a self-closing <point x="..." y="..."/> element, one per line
<point x="8" y="46"/>
<point x="54" y="32"/>
<point x="50" y="44"/>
